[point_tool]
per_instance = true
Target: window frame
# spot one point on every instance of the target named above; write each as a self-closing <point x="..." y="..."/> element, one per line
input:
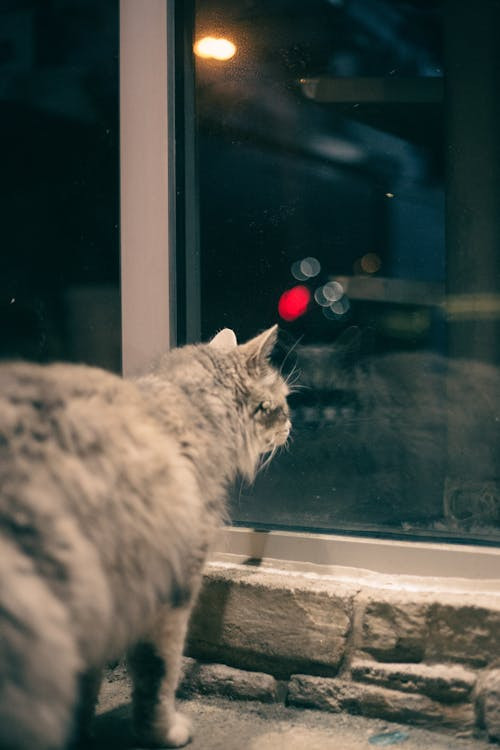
<point x="158" y="226"/>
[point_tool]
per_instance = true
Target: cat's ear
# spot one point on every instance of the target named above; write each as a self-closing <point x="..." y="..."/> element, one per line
<point x="224" y="341"/>
<point x="259" y="349"/>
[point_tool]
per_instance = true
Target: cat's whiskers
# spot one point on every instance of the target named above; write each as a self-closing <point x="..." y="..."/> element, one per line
<point x="288" y="354"/>
<point x="295" y="388"/>
<point x="294" y="375"/>
<point x="294" y="384"/>
<point x="240" y="491"/>
<point x="266" y="459"/>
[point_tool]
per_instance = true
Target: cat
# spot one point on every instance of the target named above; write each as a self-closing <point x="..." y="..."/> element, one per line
<point x="111" y="491"/>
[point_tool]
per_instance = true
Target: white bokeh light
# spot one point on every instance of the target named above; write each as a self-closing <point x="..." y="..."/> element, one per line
<point x="310" y="267"/>
<point x="337" y="309"/>
<point x="333" y="291"/>
<point x="341" y="306"/>
<point x="319" y="296"/>
<point x="297" y="273"/>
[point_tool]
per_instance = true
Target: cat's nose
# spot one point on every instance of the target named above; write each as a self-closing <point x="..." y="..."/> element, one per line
<point x="283" y="434"/>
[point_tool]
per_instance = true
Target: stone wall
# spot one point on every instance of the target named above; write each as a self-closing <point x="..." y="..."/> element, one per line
<point x="430" y="658"/>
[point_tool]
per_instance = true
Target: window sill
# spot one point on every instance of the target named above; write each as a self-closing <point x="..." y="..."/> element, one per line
<point x="379" y="563"/>
<point x="411" y="647"/>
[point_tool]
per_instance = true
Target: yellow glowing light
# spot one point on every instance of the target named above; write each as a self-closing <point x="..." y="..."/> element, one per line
<point x="216" y="49"/>
<point x="370" y="263"/>
<point x="389" y="195"/>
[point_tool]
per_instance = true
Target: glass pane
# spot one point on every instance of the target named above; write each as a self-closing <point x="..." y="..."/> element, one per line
<point x="348" y="191"/>
<point x="59" y="267"/>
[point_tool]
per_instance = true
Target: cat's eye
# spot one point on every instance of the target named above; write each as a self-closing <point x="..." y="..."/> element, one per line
<point x="264" y="407"/>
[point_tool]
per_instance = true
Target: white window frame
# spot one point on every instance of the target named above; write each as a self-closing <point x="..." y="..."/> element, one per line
<point x="145" y="219"/>
<point x="148" y="317"/>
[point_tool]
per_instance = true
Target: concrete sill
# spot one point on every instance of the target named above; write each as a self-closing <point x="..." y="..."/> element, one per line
<point x="333" y="552"/>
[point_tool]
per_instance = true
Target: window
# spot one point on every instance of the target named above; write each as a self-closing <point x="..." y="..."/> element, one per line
<point x="59" y="265"/>
<point x="338" y="172"/>
<point x="348" y="181"/>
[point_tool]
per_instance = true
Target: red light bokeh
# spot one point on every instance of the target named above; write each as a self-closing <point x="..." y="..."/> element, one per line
<point x="294" y="302"/>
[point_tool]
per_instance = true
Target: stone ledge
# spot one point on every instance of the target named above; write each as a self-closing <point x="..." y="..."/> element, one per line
<point x="466" y="632"/>
<point x="448" y="683"/>
<point x="272" y="623"/>
<point x="479" y="710"/>
<point x="284" y="623"/>
<point x="224" y="681"/>
<point x="335" y="694"/>
<point x="394" y="631"/>
<point x="406" y="654"/>
<point x="402" y="626"/>
<point x="488" y="702"/>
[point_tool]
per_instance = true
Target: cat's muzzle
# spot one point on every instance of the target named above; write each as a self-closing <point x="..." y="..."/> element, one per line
<point x="282" y="436"/>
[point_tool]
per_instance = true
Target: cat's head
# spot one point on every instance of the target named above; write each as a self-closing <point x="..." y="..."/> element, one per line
<point x="262" y="395"/>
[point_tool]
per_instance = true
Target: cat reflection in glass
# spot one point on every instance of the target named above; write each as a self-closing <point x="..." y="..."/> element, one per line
<point x="111" y="492"/>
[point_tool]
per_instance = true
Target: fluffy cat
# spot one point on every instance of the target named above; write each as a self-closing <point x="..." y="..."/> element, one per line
<point x="110" y="494"/>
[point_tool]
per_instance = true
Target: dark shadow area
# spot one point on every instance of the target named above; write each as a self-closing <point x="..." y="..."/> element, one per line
<point x="59" y="186"/>
<point x="113" y="730"/>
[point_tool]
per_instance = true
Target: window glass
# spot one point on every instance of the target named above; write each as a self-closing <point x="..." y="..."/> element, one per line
<point x="349" y="178"/>
<point x="59" y="265"/>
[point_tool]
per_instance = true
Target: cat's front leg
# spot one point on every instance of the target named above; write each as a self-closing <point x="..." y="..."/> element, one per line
<point x="155" y="667"/>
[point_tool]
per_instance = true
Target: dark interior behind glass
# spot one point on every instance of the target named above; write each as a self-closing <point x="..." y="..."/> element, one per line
<point x="349" y="178"/>
<point x="59" y="263"/>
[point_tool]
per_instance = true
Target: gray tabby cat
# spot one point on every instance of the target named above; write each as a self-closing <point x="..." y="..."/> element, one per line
<point x="110" y="495"/>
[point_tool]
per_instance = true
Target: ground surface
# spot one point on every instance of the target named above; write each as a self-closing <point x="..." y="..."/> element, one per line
<point x="241" y="725"/>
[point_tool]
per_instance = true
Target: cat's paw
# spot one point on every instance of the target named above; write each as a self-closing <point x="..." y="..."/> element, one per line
<point x="176" y="734"/>
<point x="179" y="732"/>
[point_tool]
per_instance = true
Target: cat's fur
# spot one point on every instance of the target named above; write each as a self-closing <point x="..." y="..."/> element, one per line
<point x="110" y="494"/>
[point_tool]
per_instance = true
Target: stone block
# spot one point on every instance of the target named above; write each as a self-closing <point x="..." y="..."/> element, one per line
<point x="315" y="692"/>
<point x="448" y="683"/>
<point x="335" y="694"/>
<point x="394" y="632"/>
<point x="218" y="679"/>
<point x="489" y="702"/>
<point x="463" y="633"/>
<point x="270" y="623"/>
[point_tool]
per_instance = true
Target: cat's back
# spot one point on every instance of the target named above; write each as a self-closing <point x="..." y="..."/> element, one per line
<point x="78" y="441"/>
<point x="38" y="401"/>
<point x="67" y="424"/>
<point x="33" y="388"/>
<point x="49" y="412"/>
